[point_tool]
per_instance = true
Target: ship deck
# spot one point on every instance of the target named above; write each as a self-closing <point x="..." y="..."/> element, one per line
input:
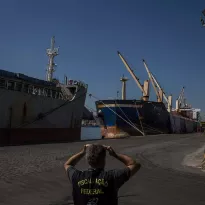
<point x="35" y="175"/>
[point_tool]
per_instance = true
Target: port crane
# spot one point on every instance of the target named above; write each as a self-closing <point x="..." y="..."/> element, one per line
<point x="181" y="101"/>
<point x="183" y="107"/>
<point x="158" y="93"/>
<point x="158" y="89"/>
<point x="144" y="88"/>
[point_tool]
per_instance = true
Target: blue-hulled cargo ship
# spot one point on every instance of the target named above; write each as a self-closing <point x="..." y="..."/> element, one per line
<point x="123" y="118"/>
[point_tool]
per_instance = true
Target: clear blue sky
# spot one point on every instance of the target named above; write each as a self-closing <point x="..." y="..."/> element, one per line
<point x="167" y="34"/>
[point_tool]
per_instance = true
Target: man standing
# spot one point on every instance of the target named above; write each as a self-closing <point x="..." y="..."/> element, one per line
<point x="96" y="186"/>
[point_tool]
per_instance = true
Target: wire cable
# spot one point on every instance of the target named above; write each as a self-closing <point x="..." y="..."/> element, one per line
<point x="43" y="115"/>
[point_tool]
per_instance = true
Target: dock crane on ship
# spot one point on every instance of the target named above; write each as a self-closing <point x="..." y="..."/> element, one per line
<point x="181" y="101"/>
<point x="181" y="105"/>
<point x="144" y="88"/>
<point x="160" y="93"/>
<point x="186" y="109"/>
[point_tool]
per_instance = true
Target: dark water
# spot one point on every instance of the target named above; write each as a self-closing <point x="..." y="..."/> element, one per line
<point x="90" y="133"/>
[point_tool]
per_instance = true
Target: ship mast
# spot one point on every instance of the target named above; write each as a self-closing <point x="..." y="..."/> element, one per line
<point x="145" y="88"/>
<point x="123" y="80"/>
<point x="51" y="53"/>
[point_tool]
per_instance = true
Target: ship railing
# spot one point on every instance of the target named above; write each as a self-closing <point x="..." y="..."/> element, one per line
<point x="77" y="83"/>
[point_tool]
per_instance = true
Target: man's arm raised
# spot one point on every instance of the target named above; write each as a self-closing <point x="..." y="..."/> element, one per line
<point x="128" y="161"/>
<point x="72" y="161"/>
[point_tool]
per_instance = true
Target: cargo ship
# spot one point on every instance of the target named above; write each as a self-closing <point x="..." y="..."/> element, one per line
<point x="40" y="111"/>
<point x="120" y="118"/>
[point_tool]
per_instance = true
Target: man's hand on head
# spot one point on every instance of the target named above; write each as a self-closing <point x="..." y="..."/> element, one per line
<point x="110" y="151"/>
<point x="85" y="147"/>
<point x="73" y="160"/>
<point x="128" y="161"/>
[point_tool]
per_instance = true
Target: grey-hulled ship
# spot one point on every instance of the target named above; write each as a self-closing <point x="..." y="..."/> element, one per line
<point x="40" y="111"/>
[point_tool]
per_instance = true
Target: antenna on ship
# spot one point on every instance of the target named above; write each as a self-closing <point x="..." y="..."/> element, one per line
<point x="51" y="53"/>
<point x="117" y="95"/>
<point x="202" y="19"/>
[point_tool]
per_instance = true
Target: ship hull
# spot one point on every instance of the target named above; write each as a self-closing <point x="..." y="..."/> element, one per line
<point x="32" y="119"/>
<point x="38" y="135"/>
<point x="124" y="118"/>
<point x="181" y="125"/>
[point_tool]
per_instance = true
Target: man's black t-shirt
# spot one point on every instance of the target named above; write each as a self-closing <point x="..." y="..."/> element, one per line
<point x="97" y="186"/>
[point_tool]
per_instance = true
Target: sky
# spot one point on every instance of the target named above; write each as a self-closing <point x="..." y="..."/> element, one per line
<point x="167" y="33"/>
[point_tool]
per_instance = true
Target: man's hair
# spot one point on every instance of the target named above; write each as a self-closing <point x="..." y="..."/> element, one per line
<point x="95" y="153"/>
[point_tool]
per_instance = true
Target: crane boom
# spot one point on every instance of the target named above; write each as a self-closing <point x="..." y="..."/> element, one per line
<point x="131" y="72"/>
<point x="151" y="79"/>
<point x="181" y="95"/>
<point x="169" y="99"/>
<point x="165" y="97"/>
<point x="52" y="42"/>
<point x="182" y="100"/>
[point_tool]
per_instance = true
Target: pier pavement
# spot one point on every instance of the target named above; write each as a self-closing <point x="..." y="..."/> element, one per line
<point x="34" y="174"/>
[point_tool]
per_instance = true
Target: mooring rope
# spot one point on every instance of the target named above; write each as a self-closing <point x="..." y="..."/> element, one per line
<point x="117" y="114"/>
<point x="125" y="114"/>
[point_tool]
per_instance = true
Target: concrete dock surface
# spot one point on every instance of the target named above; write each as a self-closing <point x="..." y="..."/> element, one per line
<point x="34" y="174"/>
